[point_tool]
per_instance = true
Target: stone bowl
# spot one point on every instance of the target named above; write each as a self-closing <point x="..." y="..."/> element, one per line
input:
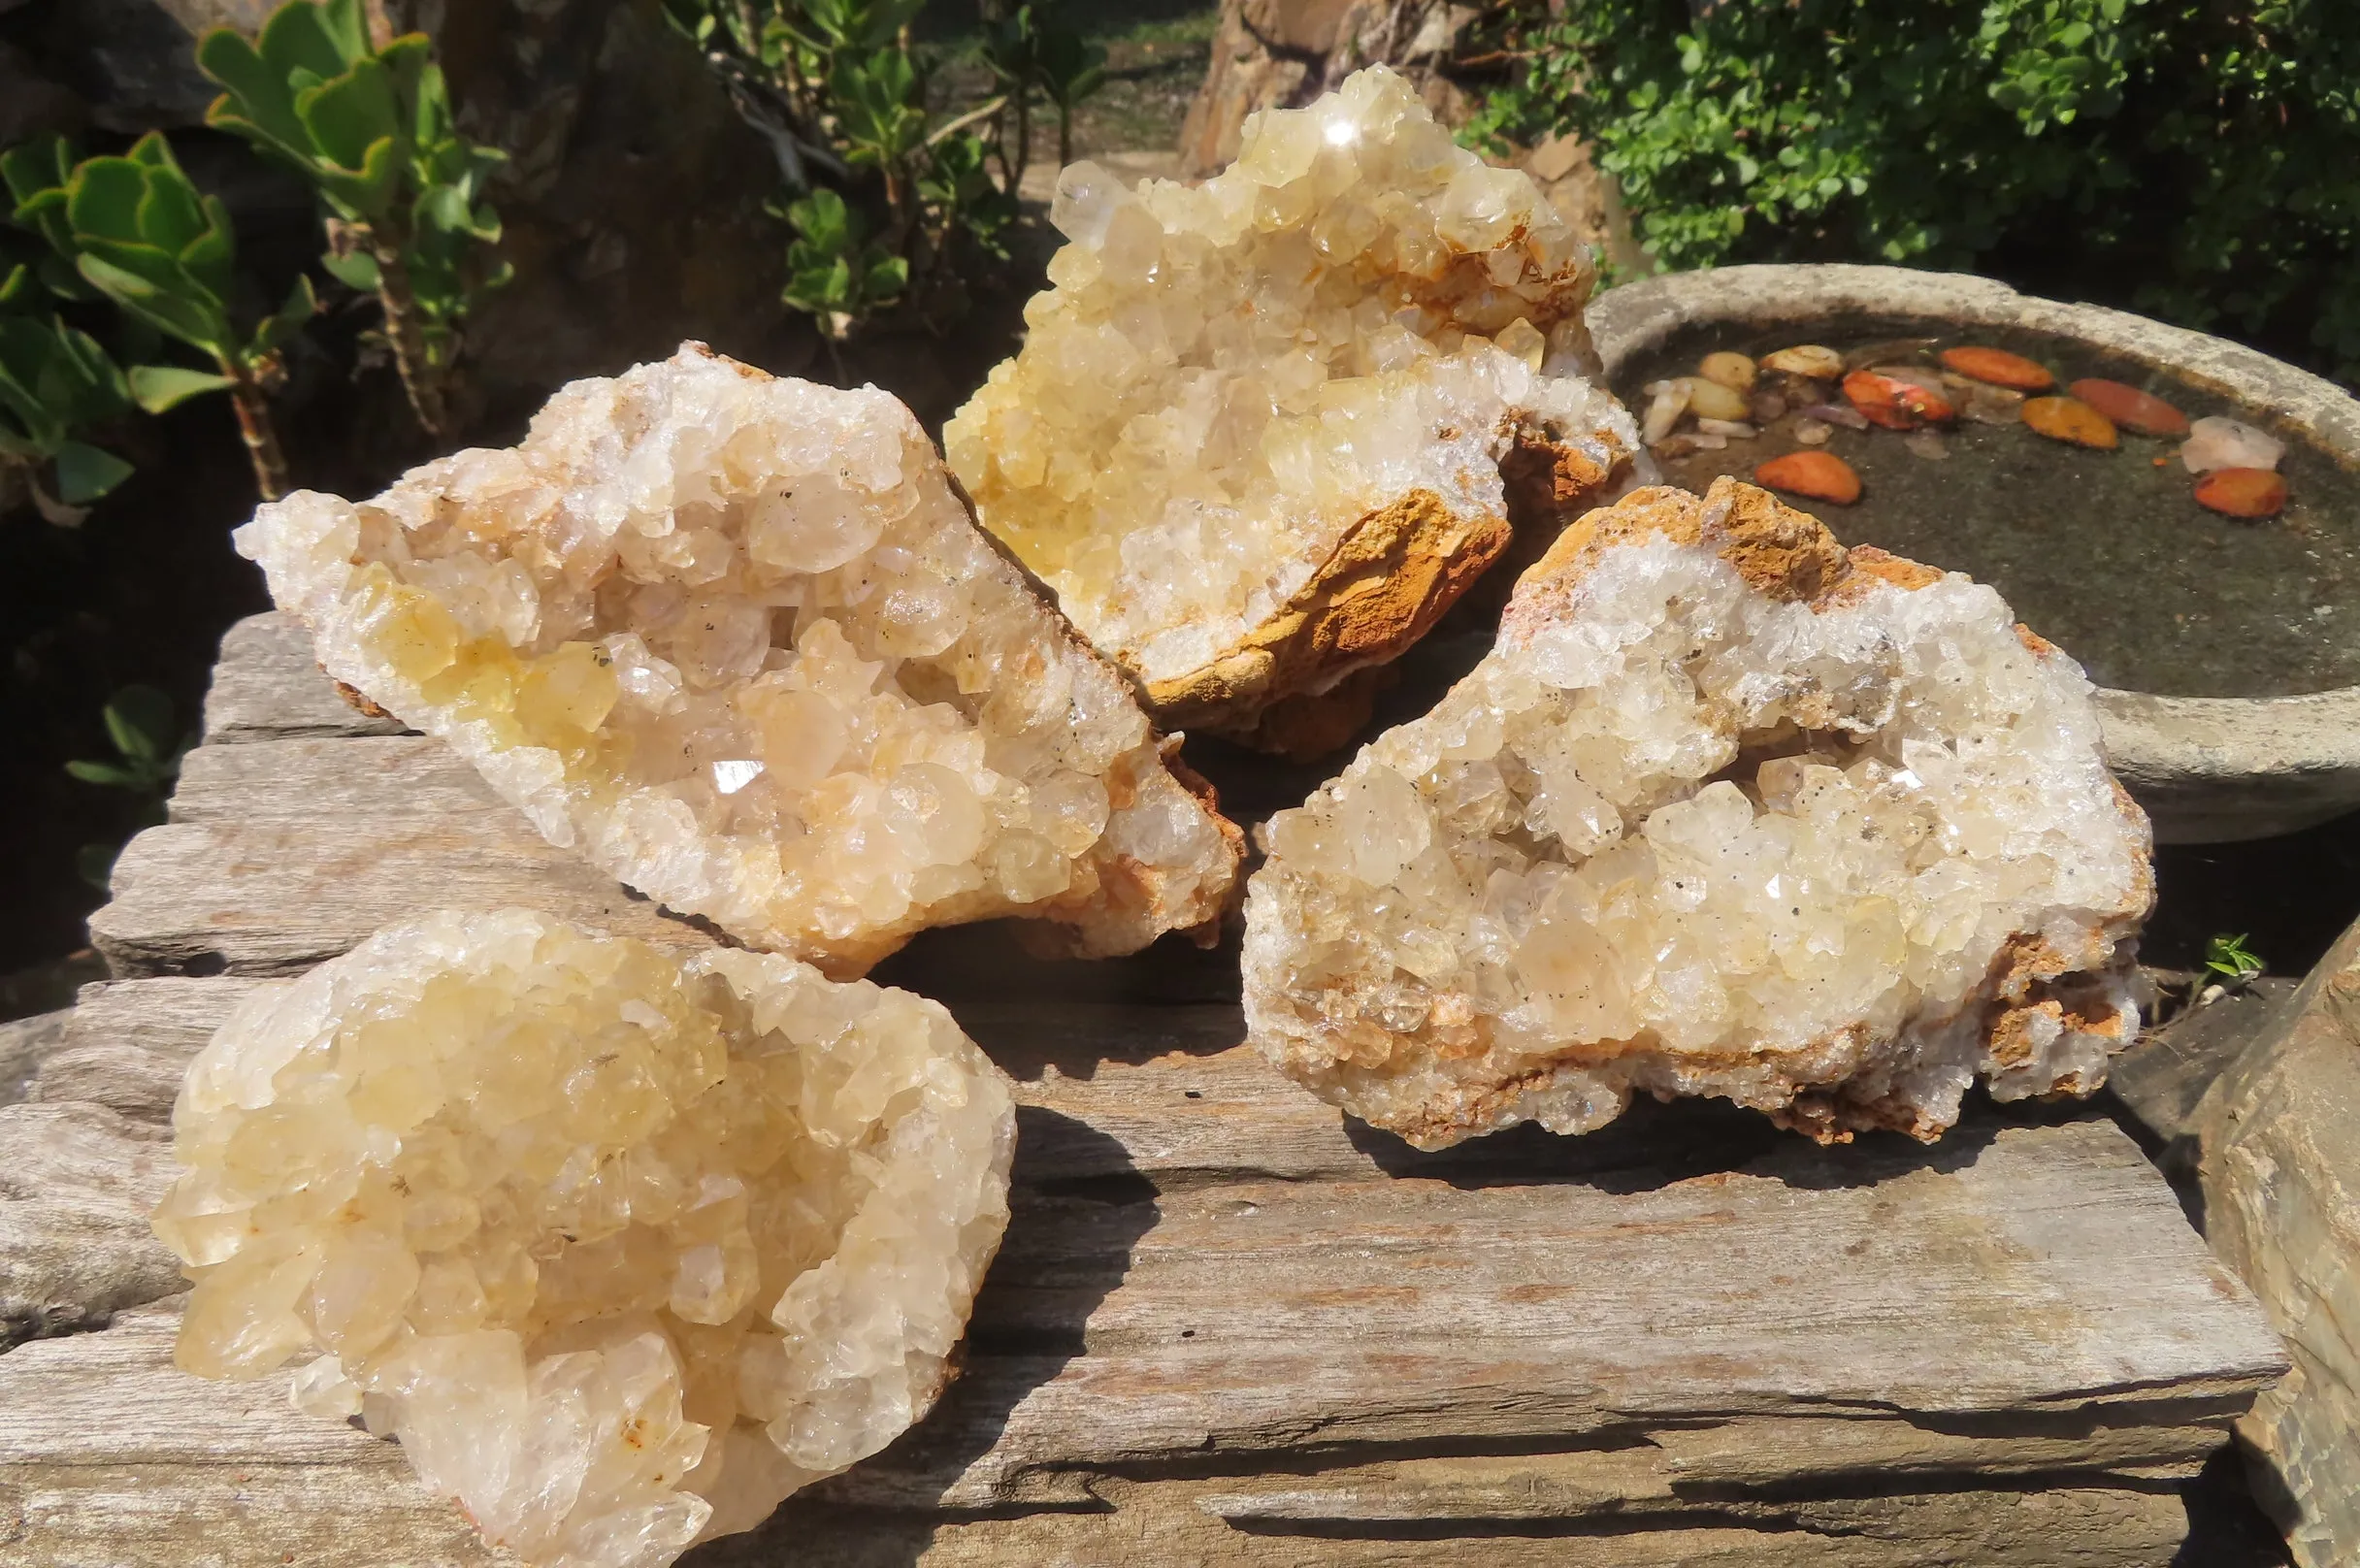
<point x="2208" y="770"/>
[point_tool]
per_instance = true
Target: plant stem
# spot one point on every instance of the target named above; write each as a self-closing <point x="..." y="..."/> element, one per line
<point x="1064" y="133"/>
<point x="899" y="217"/>
<point x="261" y="436"/>
<point x="943" y="133"/>
<point x="422" y="378"/>
<point x="1024" y="135"/>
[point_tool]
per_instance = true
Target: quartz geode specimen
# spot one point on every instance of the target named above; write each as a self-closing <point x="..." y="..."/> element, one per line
<point x="1727" y="810"/>
<point x="625" y="1248"/>
<point x="1263" y="430"/>
<point x="736" y="639"/>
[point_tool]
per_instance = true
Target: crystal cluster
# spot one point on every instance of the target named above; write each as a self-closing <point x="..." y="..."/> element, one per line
<point x="1728" y="810"/>
<point x="736" y="639"/>
<point x="624" y="1247"/>
<point x="1257" y="434"/>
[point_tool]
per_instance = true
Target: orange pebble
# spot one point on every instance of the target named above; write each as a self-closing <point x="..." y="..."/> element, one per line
<point x="2130" y="408"/>
<point x="2069" y="419"/>
<point x="1894" y="404"/>
<point x="2242" y="492"/>
<point x="1820" y="476"/>
<point x="1997" y="366"/>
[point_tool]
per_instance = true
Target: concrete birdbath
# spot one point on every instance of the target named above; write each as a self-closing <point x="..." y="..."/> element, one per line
<point x="2227" y="651"/>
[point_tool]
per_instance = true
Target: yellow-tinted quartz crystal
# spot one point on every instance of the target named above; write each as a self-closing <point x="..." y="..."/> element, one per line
<point x="624" y="1246"/>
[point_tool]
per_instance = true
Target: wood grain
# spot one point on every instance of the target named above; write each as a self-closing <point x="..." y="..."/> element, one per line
<point x="1228" y="1325"/>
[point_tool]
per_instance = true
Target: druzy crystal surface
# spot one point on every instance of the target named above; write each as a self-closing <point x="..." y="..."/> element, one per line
<point x="736" y="639"/>
<point x="1728" y="810"/>
<point x="623" y="1247"/>
<point x="1257" y="434"/>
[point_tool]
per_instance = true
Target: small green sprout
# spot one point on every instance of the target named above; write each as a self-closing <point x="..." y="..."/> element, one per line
<point x="2230" y="963"/>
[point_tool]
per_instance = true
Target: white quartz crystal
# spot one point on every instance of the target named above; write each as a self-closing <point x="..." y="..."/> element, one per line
<point x="1727" y="810"/>
<point x="736" y="640"/>
<point x="1255" y="437"/>
<point x="623" y="1247"/>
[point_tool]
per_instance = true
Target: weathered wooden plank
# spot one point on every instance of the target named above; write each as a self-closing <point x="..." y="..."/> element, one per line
<point x="75" y="1184"/>
<point x="110" y="1456"/>
<point x="25" y="1043"/>
<point x="2060" y="1268"/>
<point x="129" y="1042"/>
<point x="267" y="686"/>
<point x="380" y="776"/>
<point x="105" y="1416"/>
<point x="2042" y="1271"/>
<point x="278" y="897"/>
<point x="1227" y="1325"/>
<point x="2092" y="1527"/>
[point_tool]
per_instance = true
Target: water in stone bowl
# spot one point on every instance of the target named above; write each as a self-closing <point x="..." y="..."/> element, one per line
<point x="2105" y="552"/>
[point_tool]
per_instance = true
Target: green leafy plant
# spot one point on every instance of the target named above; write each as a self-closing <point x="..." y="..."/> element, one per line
<point x="840" y="93"/>
<point x="55" y="384"/>
<point x="43" y="164"/>
<point x="2230" y="963"/>
<point x="140" y="235"/>
<point x="372" y="130"/>
<point x="827" y="32"/>
<point x="959" y="192"/>
<point x="1069" y="69"/>
<point x="1011" y="51"/>
<point x="1028" y="52"/>
<point x="2180" y="158"/>
<point x="880" y="118"/>
<point x="139" y="725"/>
<point x="834" y="272"/>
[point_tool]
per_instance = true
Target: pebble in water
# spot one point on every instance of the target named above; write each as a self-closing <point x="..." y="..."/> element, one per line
<point x="2130" y="408"/>
<point x="1820" y="476"/>
<point x="1667" y="404"/>
<point x="1808" y="360"/>
<point x="2215" y="442"/>
<point x="1711" y="400"/>
<point x="1996" y="367"/>
<point x="1895" y="404"/>
<point x="2242" y="492"/>
<point x="1733" y="371"/>
<point x="2069" y="419"/>
<point x="1837" y="413"/>
<point x="1984" y="404"/>
<point x="1813" y="432"/>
